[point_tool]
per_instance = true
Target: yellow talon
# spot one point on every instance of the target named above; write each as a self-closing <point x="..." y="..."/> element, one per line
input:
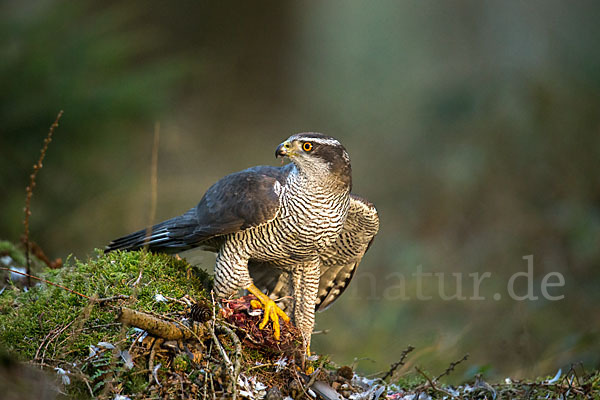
<point x="272" y="310"/>
<point x="255" y="304"/>
<point x="309" y="370"/>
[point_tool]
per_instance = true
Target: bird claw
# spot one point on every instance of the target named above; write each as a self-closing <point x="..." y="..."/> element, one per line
<point x="309" y="369"/>
<point x="272" y="311"/>
<point x="256" y="304"/>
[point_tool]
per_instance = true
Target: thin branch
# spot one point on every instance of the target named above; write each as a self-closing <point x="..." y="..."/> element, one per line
<point x="156" y="343"/>
<point x="451" y="367"/>
<point x="47" y="282"/>
<point x="238" y="355"/>
<point x="112" y="298"/>
<point x="230" y="367"/>
<point x="29" y="190"/>
<point x="426" y="377"/>
<point x="398" y="363"/>
<point x="153" y="183"/>
<point x="39" y="253"/>
<point x="431" y="384"/>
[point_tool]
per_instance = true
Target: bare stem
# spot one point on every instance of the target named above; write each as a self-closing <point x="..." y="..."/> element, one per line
<point x="29" y="191"/>
<point x="153" y="182"/>
<point x="45" y="281"/>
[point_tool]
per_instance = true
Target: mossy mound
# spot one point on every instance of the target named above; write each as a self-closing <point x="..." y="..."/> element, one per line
<point x="28" y="317"/>
<point x="53" y="327"/>
<point x="68" y="324"/>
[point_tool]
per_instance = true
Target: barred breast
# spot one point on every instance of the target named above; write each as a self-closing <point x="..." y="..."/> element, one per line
<point x="310" y="219"/>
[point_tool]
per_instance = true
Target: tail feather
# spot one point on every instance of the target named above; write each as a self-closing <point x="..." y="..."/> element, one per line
<point x="160" y="238"/>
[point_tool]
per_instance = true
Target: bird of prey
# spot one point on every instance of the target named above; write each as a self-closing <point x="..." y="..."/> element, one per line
<point x="293" y="231"/>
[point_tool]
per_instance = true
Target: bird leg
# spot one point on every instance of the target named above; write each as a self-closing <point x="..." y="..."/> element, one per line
<point x="272" y="311"/>
<point x="305" y="282"/>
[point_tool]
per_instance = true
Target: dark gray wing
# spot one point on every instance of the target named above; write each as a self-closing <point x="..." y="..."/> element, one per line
<point x="236" y="202"/>
<point x="338" y="262"/>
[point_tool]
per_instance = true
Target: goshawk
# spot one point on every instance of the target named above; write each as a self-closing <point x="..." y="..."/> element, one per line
<point x="293" y="231"/>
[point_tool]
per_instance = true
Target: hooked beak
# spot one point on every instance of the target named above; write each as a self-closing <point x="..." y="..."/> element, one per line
<point x="283" y="150"/>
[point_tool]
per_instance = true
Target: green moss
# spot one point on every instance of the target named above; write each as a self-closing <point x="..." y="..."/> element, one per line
<point x="410" y="381"/>
<point x="181" y="363"/>
<point x="52" y="321"/>
<point x="135" y="382"/>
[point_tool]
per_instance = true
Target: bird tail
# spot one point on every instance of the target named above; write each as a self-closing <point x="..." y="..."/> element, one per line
<point x="161" y="238"/>
<point x="133" y="241"/>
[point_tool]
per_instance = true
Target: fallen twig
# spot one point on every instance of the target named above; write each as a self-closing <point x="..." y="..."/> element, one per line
<point x="231" y="369"/>
<point x="151" y="368"/>
<point x="431" y="384"/>
<point x="45" y="281"/>
<point x="54" y="335"/>
<point x="112" y="298"/>
<point x="238" y="353"/>
<point x="159" y="327"/>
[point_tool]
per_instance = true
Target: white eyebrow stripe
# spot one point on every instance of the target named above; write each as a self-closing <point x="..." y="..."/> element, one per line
<point x="331" y="142"/>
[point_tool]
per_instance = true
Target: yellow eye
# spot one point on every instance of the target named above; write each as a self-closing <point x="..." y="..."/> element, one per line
<point x="307" y="146"/>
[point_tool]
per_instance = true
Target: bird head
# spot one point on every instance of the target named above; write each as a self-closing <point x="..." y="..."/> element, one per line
<point x="318" y="155"/>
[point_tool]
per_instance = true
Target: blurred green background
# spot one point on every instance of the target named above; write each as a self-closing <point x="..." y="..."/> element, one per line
<point x="473" y="126"/>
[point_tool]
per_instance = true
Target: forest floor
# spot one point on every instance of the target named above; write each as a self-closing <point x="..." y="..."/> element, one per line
<point x="136" y="325"/>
